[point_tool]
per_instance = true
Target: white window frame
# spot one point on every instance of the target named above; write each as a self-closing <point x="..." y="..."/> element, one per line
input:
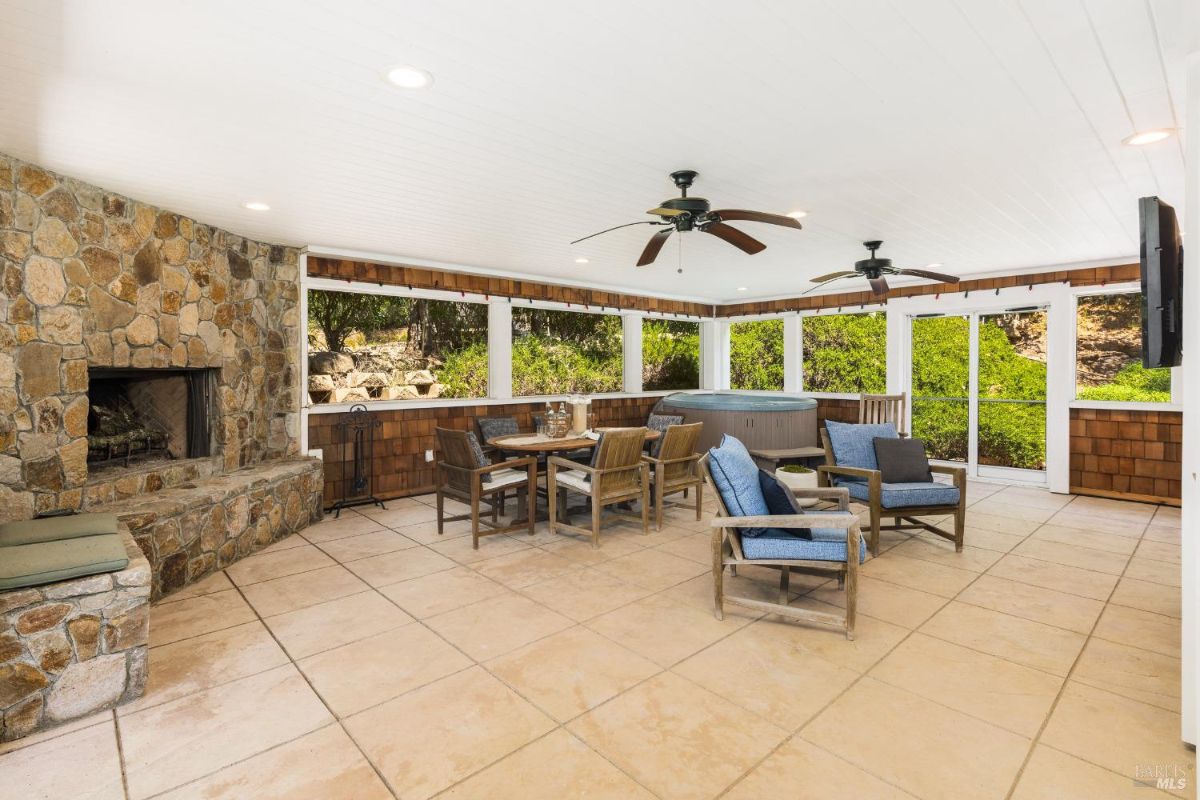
<point x="1128" y="287"/>
<point x="788" y="356"/>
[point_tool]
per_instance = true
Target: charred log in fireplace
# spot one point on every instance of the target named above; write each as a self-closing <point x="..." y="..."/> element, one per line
<point x="142" y="413"/>
<point x="116" y="431"/>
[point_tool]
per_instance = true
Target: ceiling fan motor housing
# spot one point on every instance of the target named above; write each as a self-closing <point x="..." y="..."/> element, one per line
<point x="873" y="267"/>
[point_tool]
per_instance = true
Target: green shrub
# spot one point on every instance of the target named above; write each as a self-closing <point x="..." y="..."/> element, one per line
<point x="845" y="353"/>
<point x="465" y="372"/>
<point x="1134" y="383"/>
<point x="756" y="355"/>
<point x="670" y="354"/>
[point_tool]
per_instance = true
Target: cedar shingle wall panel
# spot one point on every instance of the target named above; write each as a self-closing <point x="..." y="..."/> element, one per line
<point x="1127" y="453"/>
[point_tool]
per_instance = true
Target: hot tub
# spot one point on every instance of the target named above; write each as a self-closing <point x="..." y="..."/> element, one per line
<point x="761" y="422"/>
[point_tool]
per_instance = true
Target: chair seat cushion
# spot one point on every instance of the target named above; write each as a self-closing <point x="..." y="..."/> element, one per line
<point x="50" y="529"/>
<point x="46" y="562"/>
<point x="736" y="477"/>
<point x="854" y="445"/>
<point x="826" y="544"/>
<point x="503" y="478"/>
<point x="906" y="495"/>
<point x="574" y="479"/>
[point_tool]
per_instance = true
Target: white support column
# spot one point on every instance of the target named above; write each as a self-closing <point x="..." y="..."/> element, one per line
<point x="793" y="347"/>
<point x="1060" y="371"/>
<point x="631" y="328"/>
<point x="897" y="349"/>
<point x="499" y="349"/>
<point x="303" y="345"/>
<point x="714" y="354"/>
<point x="1190" y="724"/>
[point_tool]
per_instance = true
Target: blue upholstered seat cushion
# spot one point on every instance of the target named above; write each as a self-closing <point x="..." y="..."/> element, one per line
<point x="827" y="544"/>
<point x="902" y="495"/>
<point x="736" y="476"/>
<point x="854" y="445"/>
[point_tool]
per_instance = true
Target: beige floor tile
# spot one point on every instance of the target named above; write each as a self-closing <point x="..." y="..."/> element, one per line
<point x="426" y="532"/>
<point x="1051" y="775"/>
<point x="1023" y="641"/>
<point x="425" y="741"/>
<point x="1167" y="534"/>
<point x="994" y="506"/>
<point x="676" y="738"/>
<point x="800" y="770"/>
<point x="941" y="551"/>
<point x="571" y="671"/>
<point x="556" y="766"/>
<point x="768" y="670"/>
<point x="1072" y="556"/>
<point x="439" y="592"/>
<point x="1164" y="515"/>
<point x="397" y="504"/>
<point x="459" y="548"/>
<point x="335" y="623"/>
<point x="999" y="522"/>
<point x="265" y="566"/>
<point x="872" y="637"/>
<point x="323" y="764"/>
<point x="347" y="524"/>
<point x="365" y="673"/>
<point x="81" y="764"/>
<point x="293" y="592"/>
<point x="918" y="744"/>
<point x="991" y="540"/>
<point x="1096" y="540"/>
<point x="1082" y="582"/>
<point x="1160" y="551"/>
<point x="582" y="552"/>
<point x="1069" y="611"/>
<point x="1117" y="733"/>
<point x="1113" y="525"/>
<point x="526" y="567"/>
<point x="497" y="625"/>
<point x="663" y="629"/>
<point x="1147" y="569"/>
<point x="756" y="583"/>
<point x="46" y="734"/>
<point x="918" y="574"/>
<point x="399" y="566"/>
<point x="584" y="593"/>
<point x="176" y="742"/>
<point x="1009" y="695"/>
<point x="202" y="662"/>
<point x="400" y="516"/>
<point x="696" y="547"/>
<point x="365" y="545"/>
<point x="1028" y="496"/>
<point x="898" y="605"/>
<point x="216" y="582"/>
<point x="652" y="569"/>
<point x="170" y="622"/>
<point x="1130" y="672"/>
<point x="1106" y="508"/>
<point x="1148" y="596"/>
<point x="286" y="543"/>
<point x="1149" y="631"/>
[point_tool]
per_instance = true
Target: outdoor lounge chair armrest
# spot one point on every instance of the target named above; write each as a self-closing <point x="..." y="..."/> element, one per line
<point x="512" y="463"/>
<point x="567" y="463"/>
<point x="959" y="473"/>
<point x="843" y="521"/>
<point x="838" y="493"/>
<point x="849" y="472"/>
<point x="665" y="461"/>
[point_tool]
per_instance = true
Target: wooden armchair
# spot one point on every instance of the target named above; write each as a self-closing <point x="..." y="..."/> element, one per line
<point x="836" y="536"/>
<point x="464" y="474"/>
<point x="902" y="501"/>
<point x="617" y="474"/>
<point x="674" y="467"/>
<point x="878" y="408"/>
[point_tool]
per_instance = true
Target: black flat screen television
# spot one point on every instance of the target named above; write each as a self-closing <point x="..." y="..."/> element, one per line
<point x="1162" y="284"/>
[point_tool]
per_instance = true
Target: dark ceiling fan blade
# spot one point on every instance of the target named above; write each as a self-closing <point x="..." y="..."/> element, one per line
<point x="667" y="212"/>
<point x="653" y="246"/>
<point x="615" y="227"/>
<point x="733" y="214"/>
<point x="828" y="280"/>
<point x="879" y="285"/>
<point x="742" y="241"/>
<point x="933" y="276"/>
<point x="833" y="276"/>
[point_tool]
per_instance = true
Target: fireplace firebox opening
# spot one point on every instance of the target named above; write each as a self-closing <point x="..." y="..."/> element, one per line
<point x="136" y="414"/>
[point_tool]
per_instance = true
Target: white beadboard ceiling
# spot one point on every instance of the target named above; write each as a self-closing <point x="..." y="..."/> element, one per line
<point x="981" y="134"/>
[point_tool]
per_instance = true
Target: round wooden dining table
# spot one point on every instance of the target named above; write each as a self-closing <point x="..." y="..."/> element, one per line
<point x="544" y="445"/>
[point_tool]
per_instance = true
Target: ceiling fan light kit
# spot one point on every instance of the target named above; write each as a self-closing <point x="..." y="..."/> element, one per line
<point x="683" y="213"/>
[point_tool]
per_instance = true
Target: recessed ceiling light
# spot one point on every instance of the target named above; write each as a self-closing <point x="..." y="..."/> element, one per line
<point x="407" y="77"/>
<point x="933" y="266"/>
<point x="798" y="214"/>
<point x="256" y="205"/>
<point x="581" y="261"/>
<point x="1148" y="137"/>
<point x="741" y="288"/>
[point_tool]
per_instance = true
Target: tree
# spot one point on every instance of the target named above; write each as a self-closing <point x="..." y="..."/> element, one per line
<point x="338" y="314"/>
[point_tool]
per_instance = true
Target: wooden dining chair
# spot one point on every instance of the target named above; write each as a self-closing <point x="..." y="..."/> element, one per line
<point x="617" y="474"/>
<point x="463" y="473"/>
<point x="875" y="409"/>
<point x="673" y="469"/>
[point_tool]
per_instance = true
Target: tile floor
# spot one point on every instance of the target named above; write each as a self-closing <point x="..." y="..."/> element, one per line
<point x="369" y="658"/>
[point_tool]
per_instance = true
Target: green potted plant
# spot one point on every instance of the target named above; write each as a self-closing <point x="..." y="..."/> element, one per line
<point x="798" y="476"/>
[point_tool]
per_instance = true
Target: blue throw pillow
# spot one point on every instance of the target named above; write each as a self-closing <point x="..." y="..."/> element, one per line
<point x="780" y="502"/>
<point x="854" y="445"/>
<point x="736" y="476"/>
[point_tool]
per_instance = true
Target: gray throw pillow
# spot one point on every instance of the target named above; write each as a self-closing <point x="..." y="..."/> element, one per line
<point x="902" y="460"/>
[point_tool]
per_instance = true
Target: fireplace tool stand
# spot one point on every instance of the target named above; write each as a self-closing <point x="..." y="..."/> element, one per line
<point x="358" y="433"/>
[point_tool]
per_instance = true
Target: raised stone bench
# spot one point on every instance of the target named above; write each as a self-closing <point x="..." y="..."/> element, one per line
<point x="193" y="529"/>
<point x="75" y="647"/>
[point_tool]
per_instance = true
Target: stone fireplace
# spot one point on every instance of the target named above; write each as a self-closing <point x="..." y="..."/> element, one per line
<point x="139" y="414"/>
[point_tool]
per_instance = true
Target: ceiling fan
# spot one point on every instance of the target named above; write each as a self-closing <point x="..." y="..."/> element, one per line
<point x="685" y="213"/>
<point x="874" y="269"/>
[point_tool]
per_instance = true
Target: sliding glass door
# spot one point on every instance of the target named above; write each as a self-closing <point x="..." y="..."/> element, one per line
<point x="978" y="389"/>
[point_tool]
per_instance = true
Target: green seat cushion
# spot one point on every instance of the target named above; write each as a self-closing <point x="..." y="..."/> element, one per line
<point x="50" y="529"/>
<point x="46" y="562"/>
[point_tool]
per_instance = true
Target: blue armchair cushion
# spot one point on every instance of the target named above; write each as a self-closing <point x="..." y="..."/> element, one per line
<point x="854" y="445"/>
<point x="903" y="495"/>
<point x="826" y="544"/>
<point x="780" y="501"/>
<point x="736" y="476"/>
